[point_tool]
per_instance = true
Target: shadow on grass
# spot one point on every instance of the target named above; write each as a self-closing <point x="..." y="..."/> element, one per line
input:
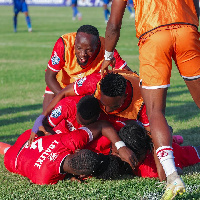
<point x="12" y="110"/>
<point x="186" y="111"/>
<point x="9" y="139"/>
<point x="15" y="120"/>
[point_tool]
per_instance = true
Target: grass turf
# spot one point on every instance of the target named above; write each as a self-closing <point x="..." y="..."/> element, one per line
<point x="23" y="59"/>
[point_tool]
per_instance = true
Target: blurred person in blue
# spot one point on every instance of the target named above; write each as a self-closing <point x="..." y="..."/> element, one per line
<point x="21" y="6"/>
<point x="75" y="10"/>
<point x="129" y="6"/>
<point x="106" y="10"/>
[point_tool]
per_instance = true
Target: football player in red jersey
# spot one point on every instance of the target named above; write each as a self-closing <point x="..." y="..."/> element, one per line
<point x="75" y="55"/>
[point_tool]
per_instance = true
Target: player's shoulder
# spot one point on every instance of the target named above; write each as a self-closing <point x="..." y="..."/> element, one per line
<point x="69" y="35"/>
<point x="70" y="100"/>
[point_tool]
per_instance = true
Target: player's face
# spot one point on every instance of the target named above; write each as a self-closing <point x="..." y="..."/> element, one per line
<point x="85" y="46"/>
<point x="111" y="103"/>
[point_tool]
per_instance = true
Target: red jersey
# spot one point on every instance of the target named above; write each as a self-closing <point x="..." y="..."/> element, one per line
<point x="63" y="116"/>
<point x="41" y="161"/>
<point x="184" y="156"/>
<point x="88" y="85"/>
<point x="64" y="60"/>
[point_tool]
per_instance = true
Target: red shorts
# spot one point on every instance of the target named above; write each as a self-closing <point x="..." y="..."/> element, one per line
<point x="158" y="47"/>
<point x="48" y="91"/>
<point x="11" y="155"/>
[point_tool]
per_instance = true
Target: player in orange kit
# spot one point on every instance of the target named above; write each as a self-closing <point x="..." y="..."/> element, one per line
<point x="76" y="55"/>
<point x="161" y="27"/>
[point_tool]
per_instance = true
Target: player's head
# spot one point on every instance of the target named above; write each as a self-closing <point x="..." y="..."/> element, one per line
<point x="87" y="44"/>
<point x="113" y="91"/>
<point x="88" y="110"/>
<point x="83" y="162"/>
<point x="86" y="162"/>
<point x="111" y="167"/>
<point x="136" y="138"/>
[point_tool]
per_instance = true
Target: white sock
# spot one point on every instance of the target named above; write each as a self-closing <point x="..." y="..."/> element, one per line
<point x="165" y="155"/>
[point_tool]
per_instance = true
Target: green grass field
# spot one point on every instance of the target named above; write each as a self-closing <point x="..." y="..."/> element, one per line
<point x="23" y="59"/>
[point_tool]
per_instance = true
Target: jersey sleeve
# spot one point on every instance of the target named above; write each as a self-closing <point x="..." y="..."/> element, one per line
<point x="63" y="110"/>
<point x="87" y="85"/>
<point x="120" y="63"/>
<point x="57" y="61"/>
<point x="77" y="139"/>
<point x="143" y="116"/>
<point x="185" y="155"/>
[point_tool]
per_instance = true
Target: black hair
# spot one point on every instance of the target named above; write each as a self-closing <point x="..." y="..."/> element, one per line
<point x="85" y="162"/>
<point x="89" y="29"/>
<point x="111" y="167"/>
<point x="136" y="138"/>
<point x="88" y="107"/>
<point x="113" y="85"/>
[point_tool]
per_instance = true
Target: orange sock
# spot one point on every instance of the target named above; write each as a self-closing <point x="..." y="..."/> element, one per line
<point x="3" y="146"/>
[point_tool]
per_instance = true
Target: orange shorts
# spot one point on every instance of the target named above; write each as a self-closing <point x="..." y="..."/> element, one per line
<point x="157" y="49"/>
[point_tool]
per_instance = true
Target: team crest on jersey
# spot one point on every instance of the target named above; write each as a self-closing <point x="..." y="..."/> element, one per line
<point x="81" y="81"/>
<point x="53" y="156"/>
<point x="55" y="59"/>
<point x="56" y="112"/>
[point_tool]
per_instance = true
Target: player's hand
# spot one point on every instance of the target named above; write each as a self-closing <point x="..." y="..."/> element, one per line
<point x="38" y="123"/>
<point x="105" y="64"/>
<point x="128" y="156"/>
<point x="32" y="137"/>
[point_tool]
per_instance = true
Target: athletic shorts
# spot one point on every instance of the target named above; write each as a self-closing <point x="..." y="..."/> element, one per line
<point x="12" y="153"/>
<point x="48" y="91"/>
<point x="74" y="2"/>
<point x="20" y="7"/>
<point x="106" y="1"/>
<point x="157" y="49"/>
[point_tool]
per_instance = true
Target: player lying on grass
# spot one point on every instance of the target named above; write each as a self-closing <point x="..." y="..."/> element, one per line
<point x="118" y="93"/>
<point x="72" y="113"/>
<point x="76" y="55"/>
<point x="50" y="157"/>
<point x="137" y="139"/>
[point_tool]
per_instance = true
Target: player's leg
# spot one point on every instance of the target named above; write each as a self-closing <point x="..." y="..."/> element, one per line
<point x="16" y="10"/>
<point x="161" y="136"/>
<point x="74" y="9"/>
<point x="155" y="73"/>
<point x="106" y="10"/>
<point x="4" y="147"/>
<point x="28" y="22"/>
<point x="15" y="22"/>
<point x="27" y="17"/>
<point x="129" y="8"/>
<point x="194" y="88"/>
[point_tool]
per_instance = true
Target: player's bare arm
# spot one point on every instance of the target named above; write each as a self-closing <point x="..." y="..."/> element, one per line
<point x="108" y="131"/>
<point x="65" y="92"/>
<point x="113" y="29"/>
<point x="51" y="81"/>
